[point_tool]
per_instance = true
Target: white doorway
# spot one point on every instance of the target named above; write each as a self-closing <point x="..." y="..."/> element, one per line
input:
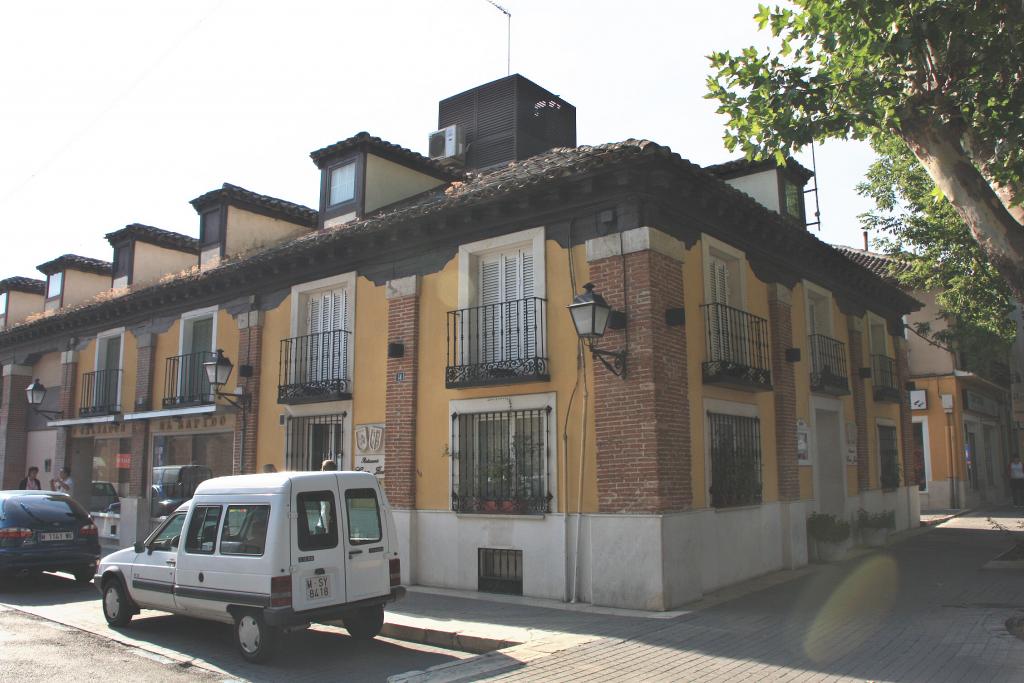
<point x="922" y="450"/>
<point x="830" y="461"/>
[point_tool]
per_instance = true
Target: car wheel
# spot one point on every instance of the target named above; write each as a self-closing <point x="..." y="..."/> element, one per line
<point x="116" y="609"/>
<point x="84" y="574"/>
<point x="366" y="622"/>
<point x="255" y="638"/>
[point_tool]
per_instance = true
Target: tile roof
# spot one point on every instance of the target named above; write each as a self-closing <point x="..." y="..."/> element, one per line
<point x="280" y="208"/>
<point x="151" y="235"/>
<point x="776" y="233"/>
<point x="23" y="284"/>
<point x="398" y="153"/>
<point x="882" y="265"/>
<point x="742" y="166"/>
<point x="76" y="262"/>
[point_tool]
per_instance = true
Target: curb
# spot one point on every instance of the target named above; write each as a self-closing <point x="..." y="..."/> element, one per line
<point x="452" y="640"/>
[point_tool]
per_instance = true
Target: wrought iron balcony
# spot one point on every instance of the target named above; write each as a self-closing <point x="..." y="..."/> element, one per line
<point x="315" y="368"/>
<point x="497" y="344"/>
<point x="828" y="366"/>
<point x="883" y="374"/>
<point x="100" y="393"/>
<point x="185" y="381"/>
<point x="737" y="348"/>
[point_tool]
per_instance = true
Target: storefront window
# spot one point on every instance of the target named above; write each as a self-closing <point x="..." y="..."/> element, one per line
<point x="207" y="450"/>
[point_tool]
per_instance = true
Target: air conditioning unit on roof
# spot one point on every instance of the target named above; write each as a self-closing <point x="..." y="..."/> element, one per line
<point x="448" y="143"/>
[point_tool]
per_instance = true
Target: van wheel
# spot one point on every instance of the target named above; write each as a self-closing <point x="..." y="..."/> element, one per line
<point x="116" y="609"/>
<point x="366" y="622"/>
<point x="255" y="638"/>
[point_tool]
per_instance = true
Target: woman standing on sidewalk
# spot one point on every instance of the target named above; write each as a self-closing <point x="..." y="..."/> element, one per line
<point x="1017" y="481"/>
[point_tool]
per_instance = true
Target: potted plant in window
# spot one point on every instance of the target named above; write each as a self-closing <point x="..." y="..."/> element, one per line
<point x="830" y="535"/>
<point x="874" y="526"/>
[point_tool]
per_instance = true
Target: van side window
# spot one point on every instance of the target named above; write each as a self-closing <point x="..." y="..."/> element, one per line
<point x="202" y="530"/>
<point x="245" y="530"/>
<point x="363" y="516"/>
<point x="167" y="537"/>
<point x="318" y="520"/>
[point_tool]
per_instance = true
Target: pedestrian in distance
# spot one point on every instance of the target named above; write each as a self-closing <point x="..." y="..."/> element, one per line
<point x="63" y="483"/>
<point x="1017" y="481"/>
<point x="31" y="481"/>
<point x="328" y="466"/>
<point x="269" y="468"/>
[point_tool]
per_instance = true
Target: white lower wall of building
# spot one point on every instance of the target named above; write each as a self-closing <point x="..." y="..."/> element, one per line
<point x="653" y="562"/>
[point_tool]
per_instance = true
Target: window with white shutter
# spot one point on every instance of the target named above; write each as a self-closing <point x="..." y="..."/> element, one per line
<point x="327" y="327"/>
<point x="719" y="281"/>
<point x="496" y="335"/>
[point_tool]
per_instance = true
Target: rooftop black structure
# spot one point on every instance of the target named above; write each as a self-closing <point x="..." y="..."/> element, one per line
<point x="262" y="204"/>
<point x="23" y="284"/>
<point x="509" y="119"/>
<point x="76" y="262"/>
<point x="363" y="141"/>
<point x="744" y="166"/>
<point x="155" y="236"/>
<point x="641" y="182"/>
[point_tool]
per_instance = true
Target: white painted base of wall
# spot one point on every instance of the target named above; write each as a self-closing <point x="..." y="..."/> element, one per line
<point x="653" y="562"/>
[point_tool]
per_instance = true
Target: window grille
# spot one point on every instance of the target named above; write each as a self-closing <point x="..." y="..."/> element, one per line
<point x="311" y="440"/>
<point x="735" y="460"/>
<point x="499" y="463"/>
<point x="500" y="571"/>
<point x="889" y="457"/>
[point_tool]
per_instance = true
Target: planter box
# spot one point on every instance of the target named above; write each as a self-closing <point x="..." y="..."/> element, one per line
<point x="874" y="538"/>
<point x="829" y="552"/>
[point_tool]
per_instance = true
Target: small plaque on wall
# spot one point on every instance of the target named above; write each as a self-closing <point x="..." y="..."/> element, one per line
<point x="851" y="443"/>
<point x="370" y="449"/>
<point x="803" y="439"/>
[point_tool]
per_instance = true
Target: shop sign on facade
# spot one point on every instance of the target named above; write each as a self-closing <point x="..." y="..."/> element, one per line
<point x="851" y="443"/>
<point x="803" y="437"/>
<point x="979" y="403"/>
<point x="124" y="461"/>
<point x="102" y="429"/>
<point x="194" y="423"/>
<point x="370" y="449"/>
<point x="919" y="399"/>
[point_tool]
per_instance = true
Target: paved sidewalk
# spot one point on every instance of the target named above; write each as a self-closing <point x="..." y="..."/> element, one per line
<point x="920" y="610"/>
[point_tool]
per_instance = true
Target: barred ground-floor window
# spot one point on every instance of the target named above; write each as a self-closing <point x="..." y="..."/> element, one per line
<point x="889" y="457"/>
<point x="500" y="461"/>
<point x="311" y="440"/>
<point x="735" y="453"/>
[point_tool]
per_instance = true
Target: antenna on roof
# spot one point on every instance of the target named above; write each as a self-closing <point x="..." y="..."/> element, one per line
<point x="817" y="207"/>
<point x="508" y="55"/>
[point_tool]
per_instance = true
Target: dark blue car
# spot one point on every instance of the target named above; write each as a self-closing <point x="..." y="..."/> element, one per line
<point x="44" y="531"/>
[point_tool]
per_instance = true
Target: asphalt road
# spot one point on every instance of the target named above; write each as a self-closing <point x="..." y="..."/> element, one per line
<point x="201" y="650"/>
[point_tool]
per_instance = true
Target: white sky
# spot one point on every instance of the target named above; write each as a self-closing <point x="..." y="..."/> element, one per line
<point x="119" y="112"/>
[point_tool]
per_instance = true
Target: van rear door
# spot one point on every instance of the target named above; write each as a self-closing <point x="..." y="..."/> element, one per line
<point x="364" y="537"/>
<point x="318" y="560"/>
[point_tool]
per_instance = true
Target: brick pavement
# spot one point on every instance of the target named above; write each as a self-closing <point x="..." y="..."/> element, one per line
<point x="921" y="610"/>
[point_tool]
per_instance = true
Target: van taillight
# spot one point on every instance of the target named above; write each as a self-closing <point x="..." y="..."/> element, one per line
<point x="281" y="591"/>
<point x="88" y="530"/>
<point x="395" y="568"/>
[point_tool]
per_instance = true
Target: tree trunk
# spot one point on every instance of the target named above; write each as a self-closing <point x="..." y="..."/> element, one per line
<point x="1000" y="236"/>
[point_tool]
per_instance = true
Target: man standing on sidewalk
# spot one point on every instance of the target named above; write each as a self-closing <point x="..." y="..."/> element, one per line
<point x="1017" y="481"/>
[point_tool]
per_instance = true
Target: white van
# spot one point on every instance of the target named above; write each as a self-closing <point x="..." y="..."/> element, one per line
<point x="266" y="552"/>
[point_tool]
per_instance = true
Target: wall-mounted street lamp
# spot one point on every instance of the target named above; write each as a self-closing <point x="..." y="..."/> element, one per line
<point x="590" y="314"/>
<point x="35" y="393"/>
<point x="218" y="371"/>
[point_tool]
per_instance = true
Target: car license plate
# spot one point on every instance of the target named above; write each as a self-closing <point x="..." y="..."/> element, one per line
<point x="56" y="536"/>
<point x="318" y="587"/>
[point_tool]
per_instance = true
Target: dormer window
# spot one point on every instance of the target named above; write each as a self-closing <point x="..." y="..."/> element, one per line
<point x="343" y="183"/>
<point x="793" y="199"/>
<point x="54" y="285"/>
<point x="209" y="228"/>
<point x="3" y="309"/>
<point x="122" y="265"/>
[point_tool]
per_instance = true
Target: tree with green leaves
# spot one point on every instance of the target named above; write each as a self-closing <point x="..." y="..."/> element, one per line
<point x="933" y="251"/>
<point x="944" y="76"/>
